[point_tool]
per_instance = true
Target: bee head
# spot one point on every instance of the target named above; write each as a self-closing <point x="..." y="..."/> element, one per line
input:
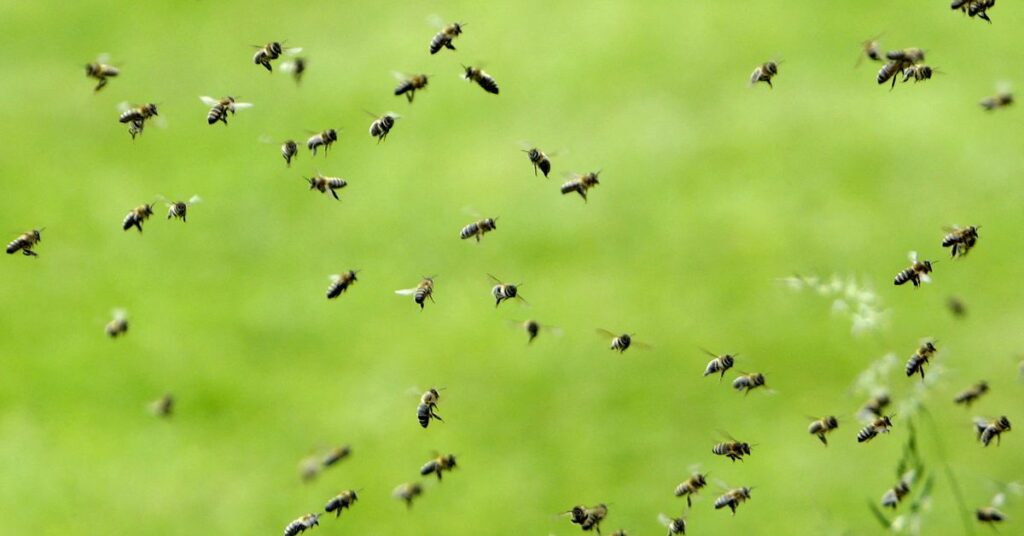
<point x="758" y="379"/>
<point x="275" y="47"/>
<point x="625" y="338"/>
<point x="832" y="422"/>
<point x="457" y="28"/>
<point x="490" y="222"/>
<point x="470" y="71"/>
<point x="91" y="68"/>
<point x="771" y="67"/>
<point x="151" y="108"/>
<point x="1004" y="422"/>
<point x="36" y="234"/>
<point x="148" y="209"/>
<point x="450" y="460"/>
<point x="331" y="134"/>
<point x="312" y="183"/>
<point x="700" y="479"/>
<point x="745" y="448"/>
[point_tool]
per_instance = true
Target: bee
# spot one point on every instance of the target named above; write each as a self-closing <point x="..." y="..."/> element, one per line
<point x="622" y="342"/>
<point x="136" y="117"/>
<point x="118" y="326"/>
<point x="539" y="160"/>
<point x="341" y="501"/>
<point x="876" y="405"/>
<point x="691" y="486"/>
<point x="974" y="8"/>
<point x="478" y="228"/>
<point x="733" y="498"/>
<point x="438" y="465"/>
<point x="271" y="51"/>
<point x="289" y="150"/>
<point x="588" y="518"/>
<point x="971" y="394"/>
<point x="407" y="492"/>
<point x="748" y="382"/>
<point x="336" y="455"/>
<point x="871" y="49"/>
<point x="324" y="139"/>
<point x="425" y="411"/>
<point x="957" y="306"/>
<point x="504" y="291"/>
<point x="961" y="240"/>
<point x="163" y="406"/>
<point x="719" y="363"/>
<point x="381" y="126"/>
<point x="484" y="80"/>
<point x="25" y="242"/>
<point x="990" y="514"/>
<point x="920" y="358"/>
<point x="410" y="85"/>
<point x="301" y="524"/>
<point x="822" y="427"/>
<point x="100" y="71"/>
<point x="764" y="73"/>
<point x="219" y="108"/>
<point x="918" y="73"/>
<point x="676" y="525"/>
<point x="532" y="328"/>
<point x="619" y="533"/>
<point x="444" y="38"/>
<point x="878" y="425"/>
<point x="732" y="449"/>
<point x="340" y="283"/>
<point x="898" y="61"/>
<point x="893" y="497"/>
<point x="916" y="273"/>
<point x="137" y="215"/>
<point x="326" y="184"/>
<point x="999" y="100"/>
<point x="991" y="430"/>
<point x="421" y="292"/>
<point x="297" y="67"/>
<point x="581" y="183"/>
<point x="179" y="209"/>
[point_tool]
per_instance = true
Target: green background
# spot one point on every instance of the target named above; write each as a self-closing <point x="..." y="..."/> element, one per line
<point x="710" y="191"/>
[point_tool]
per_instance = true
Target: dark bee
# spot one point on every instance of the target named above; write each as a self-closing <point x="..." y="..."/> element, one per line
<point x="872" y="50"/>
<point x="341" y="501"/>
<point x="732" y="449"/>
<point x="987" y="431"/>
<point x="990" y="514"/>
<point x="588" y="518"/>
<point x="324" y="139"/>
<point x="301" y="524"/>
<point x="675" y="525"/>
<point x="297" y="67"/>
<point x="898" y="62"/>
<point x="920" y="358"/>
<point x="623" y="342"/>
<point x="220" y="108"/>
<point x="118" y="326"/>
<point x="532" y="328"/>
<point x="893" y="497"/>
<point x="999" y="100"/>
<point x="822" y="427"/>
<point x="748" y="382"/>
<point x="289" y="150"/>
<point x="438" y="465"/>
<point x="25" y="242"/>
<point x="163" y="406"/>
<point x="137" y="215"/>
<point x="100" y="71"/>
<point x="478" y="229"/>
<point x="336" y="455"/>
<point x="444" y="38"/>
<point x="539" y="160"/>
<point x="876" y="405"/>
<point x="619" y="533"/>
<point x="410" y="85"/>
<point x="504" y="291"/>
<point x="961" y="240"/>
<point x="269" y="52"/>
<point x="764" y="73"/>
<point x="691" y="486"/>
<point x="880" y="425"/>
<point x="719" y="363"/>
<point x="340" y="283"/>
<point x="482" y="79"/>
<point x="327" y="184"/>
<point x="428" y="403"/>
<point x="732" y="499"/>
<point x="581" y="183"/>
<point x="381" y="126"/>
<point x="971" y="394"/>
<point x="421" y="292"/>
<point x="957" y="306"/>
<point x="916" y="273"/>
<point x="918" y="73"/>
<point x="407" y="492"/>
<point x="179" y="209"/>
<point x="136" y="117"/>
<point x="974" y="8"/>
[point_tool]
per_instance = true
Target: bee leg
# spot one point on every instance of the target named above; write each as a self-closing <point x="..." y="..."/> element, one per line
<point x="823" y="440"/>
<point x="448" y="44"/>
<point x="408" y="96"/>
<point x="103" y="82"/>
<point x="335" y="194"/>
<point x="688" y="502"/>
<point x="138" y="225"/>
<point x="29" y="253"/>
<point x="770" y="83"/>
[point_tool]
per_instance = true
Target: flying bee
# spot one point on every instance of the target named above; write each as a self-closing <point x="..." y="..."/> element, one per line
<point x="748" y="382"/>
<point x="974" y="8"/>
<point x="410" y="85"/>
<point x="870" y="49"/>
<point x="622" y="342"/>
<point x="733" y="498"/>
<point x="675" y="525"/>
<point x="271" y="51"/>
<point x="957" y="306"/>
<point x="478" y="229"/>
<point x="381" y="126"/>
<point x="438" y="465"/>
<point x="482" y="79"/>
<point x="301" y="524"/>
<point x="407" y="492"/>
<point x="421" y="292"/>
<point x="100" y="71"/>
<point x="581" y="183"/>
<point x="340" y="283"/>
<point x="297" y="67"/>
<point x="588" y="518"/>
<point x="879" y="425"/>
<point x="532" y="328"/>
<point x="444" y="38"/>
<point x="136" y="117"/>
<point x="118" y="325"/>
<point x="898" y="62"/>
<point x="719" y="363"/>
<point x="961" y="240"/>
<point x="220" y="108"/>
<point x="732" y="449"/>
<point x="539" y="160"/>
<point x="971" y="394"/>
<point x="916" y="273"/>
<point x="1000" y="100"/>
<point x="893" y="497"/>
<point x="425" y="411"/>
<point x="137" y="215"/>
<point x="764" y="73"/>
<point x="341" y="501"/>
<point x="920" y="358"/>
<point x="990" y="514"/>
<point x="179" y="209"/>
<point x="504" y="291"/>
<point x="822" y="427"/>
<point x="326" y="184"/>
<point x="987" y="431"/>
<point x="163" y="406"/>
<point x="335" y="455"/>
<point x="918" y="73"/>
<point x="25" y="242"/>
<point x="876" y="405"/>
<point x="691" y="486"/>
<point x="324" y="139"/>
<point x="289" y="150"/>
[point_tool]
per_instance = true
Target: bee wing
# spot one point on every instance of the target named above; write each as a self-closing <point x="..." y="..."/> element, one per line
<point x="242" y="105"/>
<point x="406" y="291"/>
<point x="119" y="314"/>
<point x="641" y="345"/>
<point x="912" y="256"/>
<point x="267" y="139"/>
<point x="726" y="435"/>
<point x="103" y="58"/>
<point x="495" y="279"/>
<point x="292" y="51"/>
<point x="522" y="300"/>
<point x="999" y="499"/>
<point x="436" y="21"/>
<point x="194" y="199"/>
<point x="209" y="101"/>
<point x="555" y="330"/>
<point x="399" y="76"/>
<point x="925" y="278"/>
<point x="664" y="520"/>
<point x="606" y="333"/>
<point x="753" y="77"/>
<point x="123" y="106"/>
<point x="287" y="66"/>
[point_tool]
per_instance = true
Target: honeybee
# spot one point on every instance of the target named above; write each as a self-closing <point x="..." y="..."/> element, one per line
<point x="421" y="292"/>
<point x="622" y="342"/>
<point x="478" y="229"/>
<point x="324" y="139"/>
<point x="179" y="209"/>
<point x="100" y="71"/>
<point x="297" y="67"/>
<point x="136" y="117"/>
<point x="990" y="514"/>
<point x="871" y="49"/>
<point x="974" y="8"/>
<point x="957" y="306"/>
<point x="893" y="497"/>
<point x="532" y="328"/>
<point x="410" y="85"/>
<point x="719" y="363"/>
<point x="118" y="326"/>
<point x="444" y="38"/>
<point x="381" y="126"/>
<point x="691" y="486"/>
<point x="1000" y="100"/>
<point x="918" y="73"/>
<point x="219" y="108"/>
<point x="876" y="405"/>
<point x="137" y="215"/>
<point x="425" y="411"/>
<point x="675" y="525"/>
<point x="961" y="240"/>
<point x="326" y="184"/>
<point x="271" y="51"/>
<point x="916" y="273"/>
<point x="301" y="524"/>
<point x="504" y="291"/>
<point x="987" y="431"/>
<point x="340" y="283"/>
<point x="971" y="394"/>
<point x="407" y="492"/>
<point x="822" y="427"/>
<point x="588" y="518"/>
<point x="879" y="425"/>
<point x="539" y="160"/>
<point x="438" y="465"/>
<point x="25" y="242"/>
<point x="920" y="358"/>
<point x="335" y="455"/>
<point x="764" y="73"/>
<point x="482" y="79"/>
<point x="309" y="468"/>
<point x="733" y="498"/>
<point x="163" y="406"/>
<point x="581" y="183"/>
<point x="748" y="382"/>
<point x="732" y="449"/>
<point x="289" y="150"/>
<point x="899" y="61"/>
<point x="341" y="501"/>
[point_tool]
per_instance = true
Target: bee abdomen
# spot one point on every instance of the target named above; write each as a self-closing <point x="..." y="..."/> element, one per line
<point x="906" y="275"/>
<point x="404" y="87"/>
<point x="545" y="166"/>
<point x="17" y="244"/>
<point x="866" y="434"/>
<point x="469" y="231"/>
<point x="217" y="113"/>
<point x="487" y="83"/>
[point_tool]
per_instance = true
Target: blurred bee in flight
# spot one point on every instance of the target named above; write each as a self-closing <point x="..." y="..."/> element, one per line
<point x="504" y="291"/>
<point x="270" y="52"/>
<point x="409" y="85"/>
<point x="341" y="501"/>
<point x="971" y="394"/>
<point x="100" y="71"/>
<point x="340" y="283"/>
<point x="25" y="242"/>
<point x="289" y="150"/>
<point x="539" y="160"/>
<point x="991" y="513"/>
<point x="989" y="430"/>
<point x="870" y="49"/>
<point x="622" y="342"/>
<point x="532" y="328"/>
<point x="916" y="273"/>
<point x="733" y="498"/>
<point x="118" y="325"/>
<point x="974" y="8"/>
<point x="588" y="518"/>
<point x="478" y="229"/>
<point x="748" y="382"/>
<point x="482" y="79"/>
<point x="732" y="449"/>
<point x="421" y="292"/>
<point x="719" y="363"/>
<point x="336" y="455"/>
<point x="137" y="215"/>
<point x="918" y="73"/>
<point x="822" y="427"/>
<point x="689" y="487"/>
<point x="879" y="425"/>
<point x="381" y="126"/>
<point x="876" y="405"/>
<point x="957" y="306"/>
<point x="960" y="240"/>
<point x="764" y="73"/>
<point x="324" y="139"/>
<point x="675" y="525"/>
<point x="220" y="108"/>
<point x="163" y="406"/>
<point x="895" y="495"/>
<point x="297" y="67"/>
<point x="581" y="183"/>
<point x="425" y="411"/>
<point x="136" y="116"/>
<point x="920" y="358"/>
<point x="1001" y="99"/>
<point x="444" y="38"/>
<point x="179" y="209"/>
<point x="407" y="492"/>
<point x="326" y="184"/>
<point x="898" y="62"/>
<point x="438" y="465"/>
<point x="301" y="524"/>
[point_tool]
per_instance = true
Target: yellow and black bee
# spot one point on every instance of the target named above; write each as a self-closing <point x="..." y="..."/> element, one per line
<point x="898" y="62"/>
<point x="675" y="525"/>
<point x="444" y="38"/>
<point x="478" y="229"/>
<point x="163" y="406"/>
<point x="588" y="518"/>
<point x="410" y="85"/>
<point x="220" y="108"/>
<point x="438" y="465"/>
<point x="691" y="486"/>
<point x="179" y="209"/>
<point x="425" y="411"/>
<point x="539" y="160"/>
<point x="271" y="51"/>
<point x="1000" y="100"/>
<point x="623" y="342"/>
<point x="25" y="242"/>
<point x="880" y="425"/>
<point x="136" y="117"/>
<point x="482" y="79"/>
<point x="581" y="183"/>
<point x="289" y="150"/>
<point x="137" y="215"/>
<point x="504" y="291"/>
<point x="301" y="524"/>
<point x="961" y="240"/>
<point x="118" y="325"/>
<point x="341" y="501"/>
<point x="876" y="405"/>
<point x="895" y="495"/>
<point x="407" y="492"/>
<point x="733" y="498"/>
<point x="987" y="431"/>
<point x="340" y="283"/>
<point x="918" y="73"/>
<point x="764" y="73"/>
<point x="335" y="455"/>
<point x="971" y="394"/>
<point x="748" y="382"/>
<point x="326" y="184"/>
<point x="822" y="427"/>
<point x="916" y="273"/>
<point x="100" y="71"/>
<point x="719" y="363"/>
<point x="324" y="139"/>
<point x="420" y="292"/>
<point x="532" y="328"/>
<point x="920" y="358"/>
<point x="732" y="449"/>
<point x="381" y="126"/>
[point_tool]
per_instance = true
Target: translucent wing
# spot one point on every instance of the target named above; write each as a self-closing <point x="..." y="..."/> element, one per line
<point x="292" y="51"/>
<point x="399" y="76"/>
<point x="912" y="256"/>
<point x="123" y="106"/>
<point x="103" y="58"/>
<point x="606" y="333"/>
<point x="641" y="345"/>
<point x="406" y="291"/>
<point x="436" y="21"/>
<point x="495" y="279"/>
<point x="664" y="520"/>
<point x="209" y="101"/>
<point x="242" y="105"/>
<point x="194" y="199"/>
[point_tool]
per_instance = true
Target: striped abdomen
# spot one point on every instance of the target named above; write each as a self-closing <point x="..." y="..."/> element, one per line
<point x="379" y="129"/>
<point x="539" y="160"/>
<point x="916" y="364"/>
<point x="621" y="343"/>
<point x="888" y="71"/>
<point x="719" y="364"/>
<point x="910" y="274"/>
<point x="867" y="433"/>
<point x="24" y="243"/>
<point x="340" y="284"/>
<point x="425" y="412"/>
<point x="485" y="81"/>
<point x="422" y="293"/>
<point x="217" y="113"/>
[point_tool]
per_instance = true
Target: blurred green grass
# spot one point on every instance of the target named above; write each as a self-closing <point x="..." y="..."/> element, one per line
<point x="710" y="191"/>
